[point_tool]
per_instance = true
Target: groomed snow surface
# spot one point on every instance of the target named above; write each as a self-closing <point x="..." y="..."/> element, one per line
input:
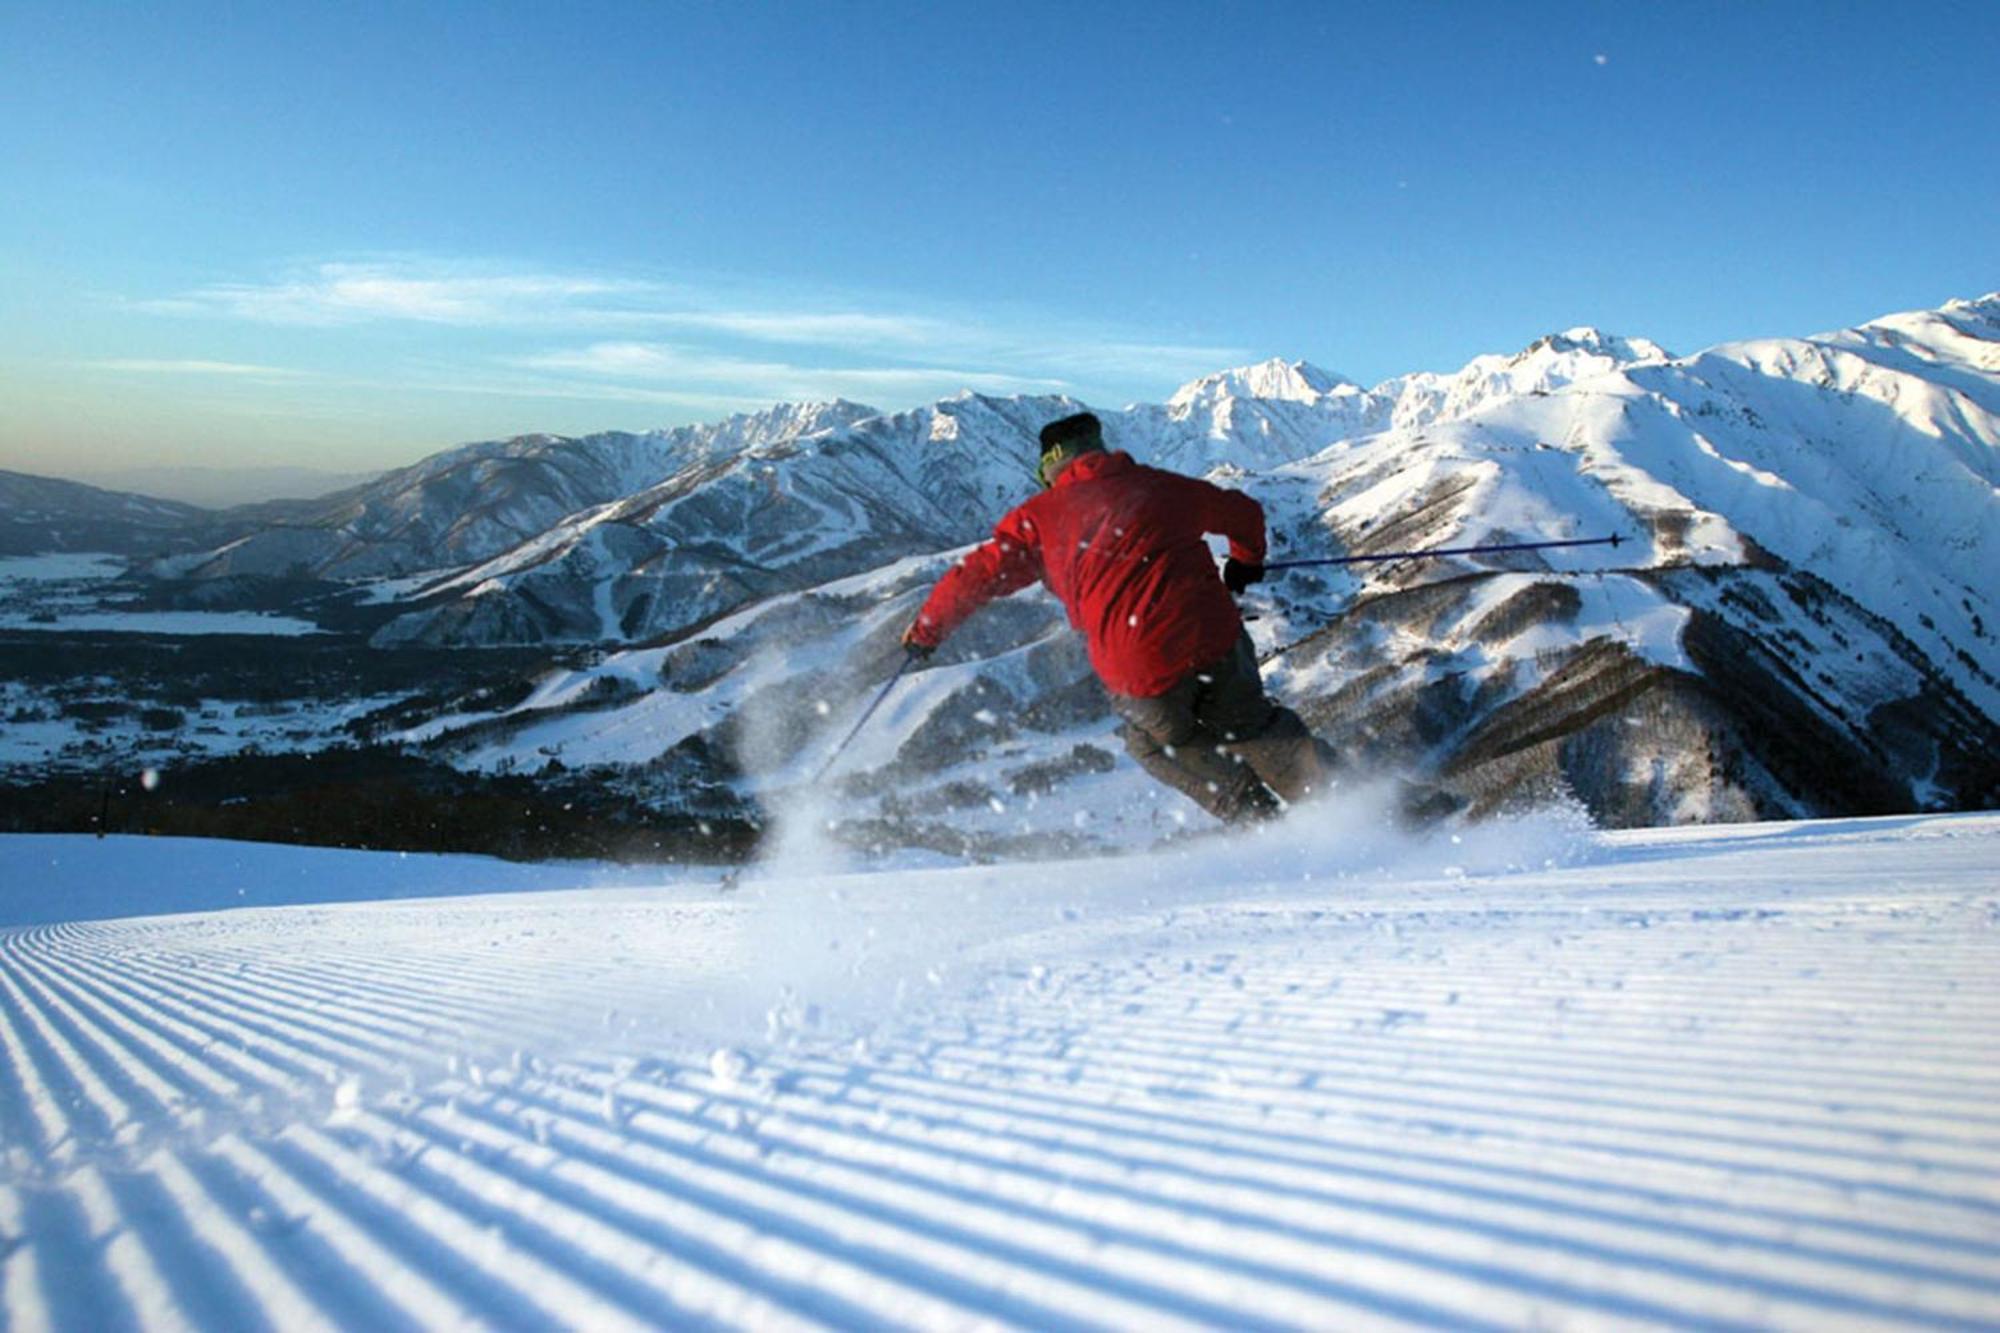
<point x="1325" y="1077"/>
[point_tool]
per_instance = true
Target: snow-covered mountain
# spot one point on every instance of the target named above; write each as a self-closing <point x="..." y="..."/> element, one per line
<point x="1812" y="595"/>
<point x="1252" y="418"/>
<point x="472" y="503"/>
<point x="826" y="492"/>
<point x="845" y="492"/>
<point x="1546" y="365"/>
<point x="1801" y="621"/>
<point x="1258" y="417"/>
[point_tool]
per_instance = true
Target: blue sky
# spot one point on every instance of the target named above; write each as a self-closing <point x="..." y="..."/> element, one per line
<point x="346" y="236"/>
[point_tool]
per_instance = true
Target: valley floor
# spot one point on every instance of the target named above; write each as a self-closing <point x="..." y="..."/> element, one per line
<point x="1533" y="1076"/>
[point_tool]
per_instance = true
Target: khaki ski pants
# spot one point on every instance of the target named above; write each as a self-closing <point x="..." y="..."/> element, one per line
<point x="1219" y="739"/>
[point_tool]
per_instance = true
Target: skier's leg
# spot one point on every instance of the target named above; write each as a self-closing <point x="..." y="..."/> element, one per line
<point x="1269" y="737"/>
<point x="1163" y="735"/>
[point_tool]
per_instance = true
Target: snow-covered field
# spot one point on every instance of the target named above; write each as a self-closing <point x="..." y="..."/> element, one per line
<point x="1534" y="1076"/>
<point x="40" y="738"/>
<point x="163" y="622"/>
<point x="70" y="594"/>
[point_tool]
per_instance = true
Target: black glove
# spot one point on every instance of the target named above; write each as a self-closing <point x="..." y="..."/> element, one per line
<point x="1239" y="574"/>
<point x="917" y="649"/>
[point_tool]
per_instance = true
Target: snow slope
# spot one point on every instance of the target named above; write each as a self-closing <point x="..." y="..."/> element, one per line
<point x="1325" y="1078"/>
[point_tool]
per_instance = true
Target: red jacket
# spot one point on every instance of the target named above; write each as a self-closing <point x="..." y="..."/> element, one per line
<point x="1121" y="545"/>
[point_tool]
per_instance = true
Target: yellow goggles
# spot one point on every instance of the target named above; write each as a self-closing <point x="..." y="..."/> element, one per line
<point x="1054" y="459"/>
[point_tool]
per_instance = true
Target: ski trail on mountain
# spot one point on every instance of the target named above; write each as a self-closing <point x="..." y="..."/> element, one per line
<point x="1734" y="1078"/>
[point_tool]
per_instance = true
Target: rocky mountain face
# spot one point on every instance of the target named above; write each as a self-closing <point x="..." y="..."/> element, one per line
<point x="1800" y="621"/>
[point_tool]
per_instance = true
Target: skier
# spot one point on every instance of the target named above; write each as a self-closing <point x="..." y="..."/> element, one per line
<point x="1121" y="545"/>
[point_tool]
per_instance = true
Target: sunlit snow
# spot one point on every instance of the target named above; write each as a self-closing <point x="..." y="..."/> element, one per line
<point x="1527" y="1076"/>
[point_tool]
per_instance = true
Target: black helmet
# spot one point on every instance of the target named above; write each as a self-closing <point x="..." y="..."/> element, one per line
<point x="1065" y="439"/>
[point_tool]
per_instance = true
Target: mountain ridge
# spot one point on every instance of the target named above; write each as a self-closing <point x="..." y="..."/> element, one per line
<point x="40" y="515"/>
<point x="1801" y="623"/>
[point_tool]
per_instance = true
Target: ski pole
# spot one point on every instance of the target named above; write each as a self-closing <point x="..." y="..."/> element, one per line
<point x="909" y="660"/>
<point x="1613" y="540"/>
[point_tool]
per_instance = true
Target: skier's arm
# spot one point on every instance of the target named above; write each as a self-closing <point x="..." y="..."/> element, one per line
<point x="1009" y="562"/>
<point x="1231" y="514"/>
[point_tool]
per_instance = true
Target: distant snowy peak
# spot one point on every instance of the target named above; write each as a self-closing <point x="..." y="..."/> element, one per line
<point x="1962" y="335"/>
<point x="1978" y="318"/>
<point x="1277" y="411"/>
<point x="1253" y="417"/>
<point x="1277" y="380"/>
<point x="1586" y="348"/>
<point x="1547" y="365"/>
<point x="639" y="460"/>
<point x="786" y="421"/>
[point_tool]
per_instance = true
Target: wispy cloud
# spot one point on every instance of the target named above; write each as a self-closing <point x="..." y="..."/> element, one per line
<point x="331" y="294"/>
<point x="227" y="369"/>
<point x="701" y="402"/>
<point x="682" y="366"/>
<point x="686" y="344"/>
<point x="808" y="328"/>
<point x="345" y="293"/>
